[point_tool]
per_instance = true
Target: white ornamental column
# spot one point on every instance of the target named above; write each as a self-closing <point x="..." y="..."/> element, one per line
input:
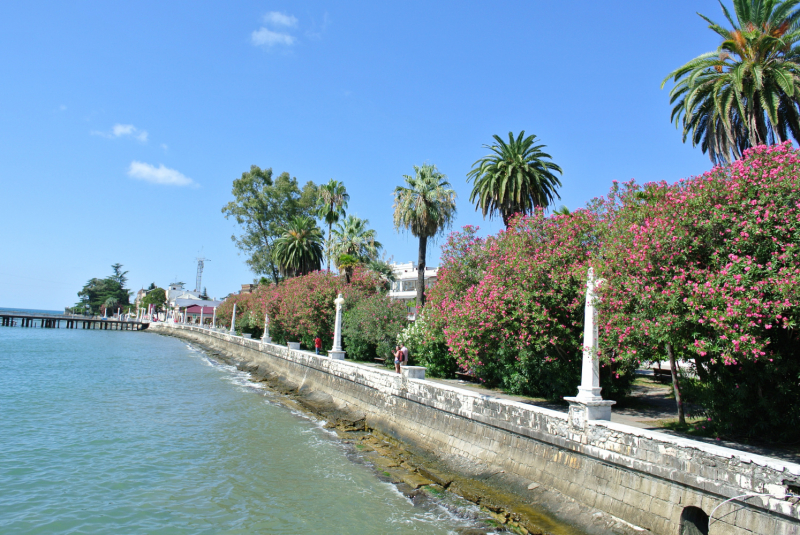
<point x="214" y="319"/>
<point x="589" y="405"/>
<point x="233" y="319"/>
<point x="336" y="352"/>
<point x="266" y="338"/>
<point x="201" y="316"/>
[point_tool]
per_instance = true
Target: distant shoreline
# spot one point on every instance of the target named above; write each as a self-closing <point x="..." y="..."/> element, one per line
<point x="32" y="310"/>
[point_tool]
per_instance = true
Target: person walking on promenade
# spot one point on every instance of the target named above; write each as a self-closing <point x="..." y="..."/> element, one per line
<point x="398" y="358"/>
<point x="317" y="344"/>
<point x="405" y="354"/>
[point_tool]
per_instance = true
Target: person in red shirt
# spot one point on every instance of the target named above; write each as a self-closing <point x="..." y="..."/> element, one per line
<point x="317" y="344"/>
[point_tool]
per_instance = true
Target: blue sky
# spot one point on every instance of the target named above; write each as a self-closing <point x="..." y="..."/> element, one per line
<point x="123" y="125"/>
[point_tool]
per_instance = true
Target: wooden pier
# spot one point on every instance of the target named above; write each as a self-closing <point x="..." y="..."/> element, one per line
<point x="44" y="321"/>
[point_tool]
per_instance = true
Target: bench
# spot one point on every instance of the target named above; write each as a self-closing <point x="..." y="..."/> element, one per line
<point x="466" y="377"/>
<point x="382" y="361"/>
<point x="660" y="373"/>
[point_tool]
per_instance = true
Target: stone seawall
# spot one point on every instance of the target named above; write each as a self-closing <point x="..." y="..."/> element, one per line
<point x="654" y="480"/>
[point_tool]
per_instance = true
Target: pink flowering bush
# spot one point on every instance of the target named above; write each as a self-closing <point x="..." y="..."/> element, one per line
<point x="300" y="308"/>
<point x="708" y="267"/>
<point x="511" y="307"/>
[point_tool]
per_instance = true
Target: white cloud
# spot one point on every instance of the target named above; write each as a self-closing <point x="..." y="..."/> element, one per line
<point x="165" y="147"/>
<point x="276" y="18"/>
<point x="122" y="130"/>
<point x="158" y="175"/>
<point x="266" y="37"/>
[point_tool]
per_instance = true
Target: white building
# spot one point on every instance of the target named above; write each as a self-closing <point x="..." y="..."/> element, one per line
<point x="405" y="285"/>
<point x="177" y="291"/>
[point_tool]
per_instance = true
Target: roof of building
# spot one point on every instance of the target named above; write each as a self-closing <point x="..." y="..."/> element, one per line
<point x="181" y="303"/>
<point x="196" y="309"/>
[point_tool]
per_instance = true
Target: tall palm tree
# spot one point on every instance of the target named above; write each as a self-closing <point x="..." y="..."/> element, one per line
<point x="331" y="204"/>
<point x="745" y="93"/>
<point x="353" y="237"/>
<point x="298" y="250"/>
<point x="426" y="205"/>
<point x="517" y="178"/>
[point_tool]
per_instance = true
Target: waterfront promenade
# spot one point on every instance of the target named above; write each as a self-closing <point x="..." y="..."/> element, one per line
<point x="649" y="478"/>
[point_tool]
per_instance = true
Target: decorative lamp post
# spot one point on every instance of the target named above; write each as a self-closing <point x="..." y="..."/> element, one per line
<point x="233" y="319"/>
<point x="336" y="352"/>
<point x="266" y="338"/>
<point x="589" y="405"/>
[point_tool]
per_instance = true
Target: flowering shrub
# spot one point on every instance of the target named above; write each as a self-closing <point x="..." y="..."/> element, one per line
<point x="371" y="326"/>
<point x="427" y="347"/>
<point x="512" y="306"/>
<point x="300" y="308"/>
<point x="708" y="267"/>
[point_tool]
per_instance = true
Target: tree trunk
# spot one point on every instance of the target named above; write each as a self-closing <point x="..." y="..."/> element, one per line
<point x="699" y="364"/>
<point x="330" y="227"/>
<point x="423" y="249"/>
<point x="676" y="384"/>
<point x="274" y="272"/>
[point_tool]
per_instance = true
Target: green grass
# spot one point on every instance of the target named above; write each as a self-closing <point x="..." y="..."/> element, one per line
<point x="650" y="382"/>
<point x="694" y="426"/>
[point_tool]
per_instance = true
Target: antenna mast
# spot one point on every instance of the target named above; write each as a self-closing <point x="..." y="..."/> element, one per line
<point x="200" y="264"/>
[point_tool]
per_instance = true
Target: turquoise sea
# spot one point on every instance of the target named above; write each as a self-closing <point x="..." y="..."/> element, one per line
<point x="134" y="433"/>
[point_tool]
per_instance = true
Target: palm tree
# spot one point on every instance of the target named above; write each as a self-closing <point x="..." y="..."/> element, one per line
<point x="425" y="206"/>
<point x="331" y="204"/>
<point x="562" y="210"/>
<point x="110" y="303"/>
<point x="298" y="250"/>
<point x="353" y="237"/>
<point x="347" y="263"/>
<point x="746" y="92"/>
<point x="517" y="178"/>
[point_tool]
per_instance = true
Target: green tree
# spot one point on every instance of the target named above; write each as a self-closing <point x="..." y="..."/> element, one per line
<point x="347" y="263"/>
<point x="110" y="304"/>
<point x="96" y="291"/>
<point x="157" y="298"/>
<point x="426" y="206"/>
<point x="353" y="237"/>
<point x="383" y="270"/>
<point x="331" y="205"/>
<point x="298" y="251"/>
<point x="746" y="92"/>
<point x="517" y="178"/>
<point x="263" y="207"/>
<point x="119" y="276"/>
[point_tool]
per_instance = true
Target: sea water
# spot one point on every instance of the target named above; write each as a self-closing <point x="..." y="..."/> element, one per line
<point x="132" y="432"/>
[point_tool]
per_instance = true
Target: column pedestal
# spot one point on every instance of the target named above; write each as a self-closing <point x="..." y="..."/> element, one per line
<point x="582" y="411"/>
<point x="336" y="355"/>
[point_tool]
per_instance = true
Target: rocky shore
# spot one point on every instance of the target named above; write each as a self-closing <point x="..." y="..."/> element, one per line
<point x="496" y="501"/>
